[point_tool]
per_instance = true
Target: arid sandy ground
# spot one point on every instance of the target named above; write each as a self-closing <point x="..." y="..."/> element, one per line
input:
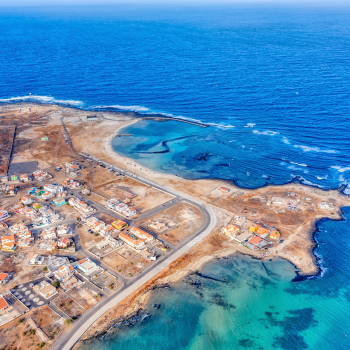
<point x="268" y="205"/>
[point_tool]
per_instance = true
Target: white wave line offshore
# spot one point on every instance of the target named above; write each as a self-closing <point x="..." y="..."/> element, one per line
<point x="41" y="99"/>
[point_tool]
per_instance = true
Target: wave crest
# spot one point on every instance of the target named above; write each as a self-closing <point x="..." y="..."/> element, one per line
<point x="41" y="99"/>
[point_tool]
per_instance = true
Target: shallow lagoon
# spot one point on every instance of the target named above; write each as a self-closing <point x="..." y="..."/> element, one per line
<point x="250" y="157"/>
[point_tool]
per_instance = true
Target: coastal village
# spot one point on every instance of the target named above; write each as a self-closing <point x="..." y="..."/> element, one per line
<point x="75" y="228"/>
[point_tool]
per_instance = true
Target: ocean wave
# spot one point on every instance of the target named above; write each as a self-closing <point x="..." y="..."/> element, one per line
<point x="41" y="99"/>
<point x="347" y="190"/>
<point x="285" y="140"/>
<point x="250" y="125"/>
<point x="149" y="111"/>
<point x="304" y="181"/>
<point x="266" y="132"/>
<point x="341" y="169"/>
<point x="125" y="108"/>
<point x="320" y="262"/>
<point x="221" y="126"/>
<point x="322" y="177"/>
<point x="315" y="149"/>
<point x="300" y="164"/>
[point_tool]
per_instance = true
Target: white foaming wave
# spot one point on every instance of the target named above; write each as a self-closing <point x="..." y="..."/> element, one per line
<point x="266" y="132"/>
<point x="347" y="190"/>
<point x="322" y="177"/>
<point x="126" y="108"/>
<point x="315" y="149"/>
<point x="285" y="140"/>
<point x="306" y="182"/>
<point x="300" y="164"/>
<point x="222" y="126"/>
<point x="341" y="169"/>
<point x="250" y="125"/>
<point x="320" y="262"/>
<point x="41" y="99"/>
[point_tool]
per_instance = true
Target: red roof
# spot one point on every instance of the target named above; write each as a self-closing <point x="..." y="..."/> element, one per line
<point x="3" y="303"/>
<point x="255" y="240"/>
<point x="3" y="276"/>
<point x="65" y="240"/>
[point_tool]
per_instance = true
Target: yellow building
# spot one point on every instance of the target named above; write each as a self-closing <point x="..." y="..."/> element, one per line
<point x="253" y="228"/>
<point x="119" y="224"/>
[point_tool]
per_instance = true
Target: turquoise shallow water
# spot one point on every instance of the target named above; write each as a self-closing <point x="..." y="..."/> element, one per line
<point x="273" y="84"/>
<point x="250" y="304"/>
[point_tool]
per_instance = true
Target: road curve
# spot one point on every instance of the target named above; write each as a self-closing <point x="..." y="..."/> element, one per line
<point x="69" y="339"/>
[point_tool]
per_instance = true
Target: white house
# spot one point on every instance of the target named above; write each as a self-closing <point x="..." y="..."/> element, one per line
<point x="49" y="234"/>
<point x="27" y="199"/>
<point x="88" y="267"/>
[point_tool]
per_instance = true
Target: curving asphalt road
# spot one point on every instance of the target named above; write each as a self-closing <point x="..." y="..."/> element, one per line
<point x="68" y="339"/>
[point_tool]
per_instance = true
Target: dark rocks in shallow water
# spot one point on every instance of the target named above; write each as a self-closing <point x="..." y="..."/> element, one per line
<point x="219" y="300"/>
<point x="246" y="343"/>
<point x="157" y="306"/>
<point x="208" y="277"/>
<point x="159" y="286"/>
<point x="202" y="156"/>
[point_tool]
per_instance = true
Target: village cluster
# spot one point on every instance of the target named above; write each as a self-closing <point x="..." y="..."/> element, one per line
<point x="43" y="223"/>
<point x="252" y="235"/>
<point x="94" y="243"/>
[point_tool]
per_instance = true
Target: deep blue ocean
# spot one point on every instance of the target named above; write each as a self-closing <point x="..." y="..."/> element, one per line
<point x="271" y="82"/>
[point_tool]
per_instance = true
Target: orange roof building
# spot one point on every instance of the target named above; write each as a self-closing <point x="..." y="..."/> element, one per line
<point x="255" y="240"/>
<point x="136" y="242"/>
<point x="6" y="239"/>
<point x="3" y="304"/>
<point x="3" y="277"/>
<point x="262" y="230"/>
<point x="141" y="234"/>
<point x="224" y="189"/>
<point x="275" y="235"/>
<point x="231" y="230"/>
<point x="8" y="246"/>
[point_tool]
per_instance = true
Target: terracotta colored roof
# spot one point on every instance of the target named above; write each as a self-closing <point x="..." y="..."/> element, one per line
<point x="262" y="230"/>
<point x="3" y="276"/>
<point x="3" y="303"/>
<point x="65" y="240"/>
<point x="130" y="239"/>
<point x="274" y="234"/>
<point x="7" y="245"/>
<point x="255" y="240"/>
<point x="232" y="228"/>
<point x="8" y="238"/>
<point x="140" y="232"/>
<point x="224" y="189"/>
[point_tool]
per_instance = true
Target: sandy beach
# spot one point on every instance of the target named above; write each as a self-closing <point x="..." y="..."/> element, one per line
<point x="297" y="227"/>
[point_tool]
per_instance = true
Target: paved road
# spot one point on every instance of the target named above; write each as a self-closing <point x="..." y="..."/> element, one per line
<point x="67" y="340"/>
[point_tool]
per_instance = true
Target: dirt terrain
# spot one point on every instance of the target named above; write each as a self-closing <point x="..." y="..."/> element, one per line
<point x="6" y="138"/>
<point x="48" y="321"/>
<point x="145" y="197"/>
<point x="17" y="335"/>
<point x="126" y="261"/>
<point x="84" y="295"/>
<point x="69" y="306"/>
<point x="175" y="223"/>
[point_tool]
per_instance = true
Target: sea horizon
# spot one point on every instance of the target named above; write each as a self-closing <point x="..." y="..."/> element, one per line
<point x="271" y="85"/>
